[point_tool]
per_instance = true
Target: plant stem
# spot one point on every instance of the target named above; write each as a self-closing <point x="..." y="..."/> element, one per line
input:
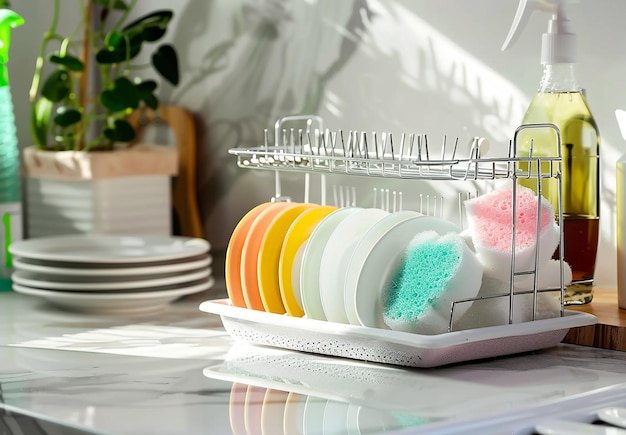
<point x="122" y="19"/>
<point x="116" y="27"/>
<point x="84" y="79"/>
<point x="50" y="34"/>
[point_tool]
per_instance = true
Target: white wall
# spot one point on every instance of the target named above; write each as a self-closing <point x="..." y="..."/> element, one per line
<point x="402" y="65"/>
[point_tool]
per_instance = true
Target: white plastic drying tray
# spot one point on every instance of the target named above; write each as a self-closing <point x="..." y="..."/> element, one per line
<point x="392" y="347"/>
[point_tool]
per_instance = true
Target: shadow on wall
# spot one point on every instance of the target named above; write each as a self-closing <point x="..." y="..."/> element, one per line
<point x="247" y="64"/>
<point x="362" y="64"/>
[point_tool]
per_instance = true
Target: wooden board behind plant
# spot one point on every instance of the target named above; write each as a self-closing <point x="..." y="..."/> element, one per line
<point x="186" y="219"/>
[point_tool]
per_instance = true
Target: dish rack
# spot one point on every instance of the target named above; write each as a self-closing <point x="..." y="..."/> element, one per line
<point x="311" y="149"/>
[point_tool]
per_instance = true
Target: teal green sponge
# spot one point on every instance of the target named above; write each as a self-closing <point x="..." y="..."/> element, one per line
<point x="436" y="271"/>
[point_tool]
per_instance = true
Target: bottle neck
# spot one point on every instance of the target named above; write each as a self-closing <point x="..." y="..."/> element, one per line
<point x="559" y="77"/>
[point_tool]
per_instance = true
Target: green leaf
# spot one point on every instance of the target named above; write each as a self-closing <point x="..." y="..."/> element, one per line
<point x="151" y="27"/>
<point x="122" y="96"/>
<point x="146" y="86"/>
<point x="148" y="28"/>
<point x="67" y="116"/>
<point x="40" y="121"/>
<point x="112" y="40"/>
<point x="151" y="101"/>
<point x="165" y="61"/>
<point x="121" y="131"/>
<point x="115" y="4"/>
<point x="57" y="86"/>
<point x="117" y="54"/>
<point x="70" y="62"/>
<point x="117" y="41"/>
<point x="146" y="93"/>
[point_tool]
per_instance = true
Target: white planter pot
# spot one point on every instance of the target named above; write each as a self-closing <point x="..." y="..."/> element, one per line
<point x="68" y="192"/>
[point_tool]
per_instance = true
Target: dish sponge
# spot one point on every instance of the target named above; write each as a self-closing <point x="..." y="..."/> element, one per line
<point x="436" y="271"/>
<point x="490" y="220"/>
<point x="548" y="303"/>
<point x="493" y="307"/>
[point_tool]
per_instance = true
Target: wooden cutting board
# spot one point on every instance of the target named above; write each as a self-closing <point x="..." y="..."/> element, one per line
<point x="610" y="332"/>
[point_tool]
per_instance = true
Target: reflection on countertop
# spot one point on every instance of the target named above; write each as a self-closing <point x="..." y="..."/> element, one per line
<point x="179" y="372"/>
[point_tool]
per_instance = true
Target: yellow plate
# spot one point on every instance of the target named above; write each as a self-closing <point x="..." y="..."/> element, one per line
<point x="292" y="418"/>
<point x="232" y="268"/>
<point x="291" y="257"/>
<point x="269" y="257"/>
<point x="273" y="412"/>
<point x="250" y="254"/>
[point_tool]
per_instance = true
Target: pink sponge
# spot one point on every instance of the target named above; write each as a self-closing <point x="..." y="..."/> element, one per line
<point x="490" y="220"/>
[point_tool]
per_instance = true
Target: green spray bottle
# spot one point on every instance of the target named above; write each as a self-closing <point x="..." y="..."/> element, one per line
<point x="10" y="191"/>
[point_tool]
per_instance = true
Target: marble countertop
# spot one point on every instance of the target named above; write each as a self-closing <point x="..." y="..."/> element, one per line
<point x="179" y="372"/>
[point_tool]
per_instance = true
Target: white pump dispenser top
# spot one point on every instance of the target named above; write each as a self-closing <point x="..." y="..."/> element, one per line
<point x="558" y="44"/>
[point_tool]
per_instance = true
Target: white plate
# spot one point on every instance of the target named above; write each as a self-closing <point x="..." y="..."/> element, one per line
<point x="313" y="415"/>
<point x="88" y="284"/>
<point x="336" y="417"/>
<point x="393" y="347"/>
<point x="311" y="260"/>
<point x="110" y="265"/>
<point x="383" y="259"/>
<point x="361" y="251"/>
<point x="116" y="303"/>
<point x="336" y="256"/>
<point x="80" y="269"/>
<point x="104" y="248"/>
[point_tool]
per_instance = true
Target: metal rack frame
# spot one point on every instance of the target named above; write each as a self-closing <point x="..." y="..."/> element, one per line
<point x="316" y="150"/>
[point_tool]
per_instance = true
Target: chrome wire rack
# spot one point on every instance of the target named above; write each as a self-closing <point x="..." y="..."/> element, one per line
<point x="315" y="149"/>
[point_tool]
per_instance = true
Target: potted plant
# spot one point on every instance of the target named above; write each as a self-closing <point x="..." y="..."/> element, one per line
<point x="81" y="174"/>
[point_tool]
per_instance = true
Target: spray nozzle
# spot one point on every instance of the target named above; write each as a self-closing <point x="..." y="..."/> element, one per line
<point x="558" y="44"/>
<point x="8" y="20"/>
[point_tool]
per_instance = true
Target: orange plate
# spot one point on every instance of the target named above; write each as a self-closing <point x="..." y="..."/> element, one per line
<point x="273" y="412"/>
<point x="236" y="406"/>
<point x="250" y="254"/>
<point x="234" y="250"/>
<point x="253" y="409"/>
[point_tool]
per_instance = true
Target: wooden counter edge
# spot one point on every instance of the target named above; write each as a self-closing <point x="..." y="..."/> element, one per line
<point x="610" y="332"/>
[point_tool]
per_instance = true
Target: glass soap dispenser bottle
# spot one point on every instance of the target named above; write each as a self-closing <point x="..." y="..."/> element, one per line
<point x="561" y="101"/>
<point x="620" y="214"/>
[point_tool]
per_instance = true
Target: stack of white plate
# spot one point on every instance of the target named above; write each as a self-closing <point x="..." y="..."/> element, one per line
<point x="103" y="273"/>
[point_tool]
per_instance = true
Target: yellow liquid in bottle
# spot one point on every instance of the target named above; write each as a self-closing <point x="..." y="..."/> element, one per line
<point x="580" y="195"/>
